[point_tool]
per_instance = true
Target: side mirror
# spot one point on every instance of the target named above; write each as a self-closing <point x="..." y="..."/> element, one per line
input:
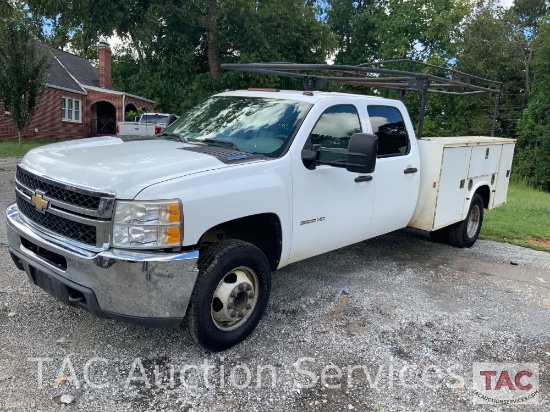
<point x="310" y="155"/>
<point x="362" y="151"/>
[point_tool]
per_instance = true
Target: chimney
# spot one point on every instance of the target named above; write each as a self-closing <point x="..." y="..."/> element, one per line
<point x="104" y="53"/>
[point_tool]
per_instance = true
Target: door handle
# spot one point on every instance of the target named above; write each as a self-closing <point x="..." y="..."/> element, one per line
<point x="410" y="170"/>
<point x="360" y="179"/>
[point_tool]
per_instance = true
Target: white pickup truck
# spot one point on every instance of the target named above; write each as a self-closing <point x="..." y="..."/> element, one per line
<point x="186" y="229"/>
<point x="149" y="124"/>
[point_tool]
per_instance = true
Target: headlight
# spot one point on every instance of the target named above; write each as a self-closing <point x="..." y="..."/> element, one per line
<point x="147" y="224"/>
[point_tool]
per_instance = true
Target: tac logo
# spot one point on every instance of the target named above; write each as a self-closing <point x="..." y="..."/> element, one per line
<point x="506" y="383"/>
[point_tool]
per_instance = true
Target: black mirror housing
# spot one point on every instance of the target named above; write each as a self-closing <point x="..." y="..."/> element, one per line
<point x="362" y="151"/>
<point x="311" y="153"/>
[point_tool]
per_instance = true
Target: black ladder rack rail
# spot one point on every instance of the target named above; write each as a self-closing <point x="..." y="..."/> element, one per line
<point x="455" y="83"/>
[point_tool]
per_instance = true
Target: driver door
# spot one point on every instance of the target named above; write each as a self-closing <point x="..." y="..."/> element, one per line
<point x="332" y="207"/>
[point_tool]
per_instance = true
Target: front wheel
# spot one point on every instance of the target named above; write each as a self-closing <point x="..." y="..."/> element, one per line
<point x="230" y="294"/>
<point x="465" y="233"/>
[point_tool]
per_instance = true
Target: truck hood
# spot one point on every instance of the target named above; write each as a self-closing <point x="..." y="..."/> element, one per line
<point x="109" y="164"/>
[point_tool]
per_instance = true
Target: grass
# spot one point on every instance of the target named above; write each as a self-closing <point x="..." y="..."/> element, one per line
<point x="11" y="148"/>
<point x="524" y="220"/>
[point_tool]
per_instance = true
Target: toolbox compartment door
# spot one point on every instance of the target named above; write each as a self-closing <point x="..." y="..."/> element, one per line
<point x="503" y="175"/>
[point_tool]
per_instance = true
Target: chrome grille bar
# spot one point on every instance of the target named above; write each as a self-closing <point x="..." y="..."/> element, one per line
<point x="65" y="196"/>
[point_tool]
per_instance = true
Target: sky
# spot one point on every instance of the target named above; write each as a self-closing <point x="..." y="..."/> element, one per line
<point x="506" y="3"/>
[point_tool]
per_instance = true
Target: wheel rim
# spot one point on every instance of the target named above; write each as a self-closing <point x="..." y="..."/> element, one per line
<point x="234" y="299"/>
<point x="473" y="221"/>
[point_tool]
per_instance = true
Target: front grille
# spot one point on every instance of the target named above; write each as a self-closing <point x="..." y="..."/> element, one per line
<point x="77" y="231"/>
<point x="57" y="192"/>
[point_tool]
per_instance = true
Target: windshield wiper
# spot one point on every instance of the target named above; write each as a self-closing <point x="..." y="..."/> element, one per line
<point x="173" y="134"/>
<point x="225" y="143"/>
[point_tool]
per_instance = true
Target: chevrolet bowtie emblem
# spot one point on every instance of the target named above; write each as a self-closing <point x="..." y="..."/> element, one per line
<point x="38" y="201"/>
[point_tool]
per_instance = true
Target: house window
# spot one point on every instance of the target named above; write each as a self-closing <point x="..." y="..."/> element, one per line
<point x="71" y="110"/>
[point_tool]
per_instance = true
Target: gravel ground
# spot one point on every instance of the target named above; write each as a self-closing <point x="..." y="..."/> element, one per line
<point x="396" y="323"/>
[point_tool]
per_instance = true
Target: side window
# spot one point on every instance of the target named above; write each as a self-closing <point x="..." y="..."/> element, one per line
<point x="334" y="129"/>
<point x="388" y="124"/>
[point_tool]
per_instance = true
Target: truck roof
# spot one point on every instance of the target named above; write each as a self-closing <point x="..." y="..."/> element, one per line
<point x="308" y="97"/>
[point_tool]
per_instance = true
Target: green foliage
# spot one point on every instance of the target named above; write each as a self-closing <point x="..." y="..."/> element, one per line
<point x="6" y="9"/>
<point x="420" y="28"/>
<point x="22" y="73"/>
<point x="354" y="23"/>
<point x="169" y="64"/>
<point x="529" y="13"/>
<point x="395" y="29"/>
<point x="131" y="115"/>
<point x="533" y="160"/>
<point x="492" y="46"/>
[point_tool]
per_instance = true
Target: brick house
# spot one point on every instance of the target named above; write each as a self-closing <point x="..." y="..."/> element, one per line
<point x="78" y="101"/>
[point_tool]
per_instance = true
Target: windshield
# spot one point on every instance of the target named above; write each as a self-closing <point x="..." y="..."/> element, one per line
<point x="153" y="118"/>
<point x="252" y="124"/>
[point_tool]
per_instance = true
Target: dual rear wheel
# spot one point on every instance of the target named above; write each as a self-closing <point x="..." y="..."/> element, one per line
<point x="465" y="233"/>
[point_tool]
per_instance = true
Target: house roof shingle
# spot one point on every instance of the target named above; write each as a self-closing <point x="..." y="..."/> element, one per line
<point x="72" y="72"/>
<point x="80" y="68"/>
<point x="56" y="75"/>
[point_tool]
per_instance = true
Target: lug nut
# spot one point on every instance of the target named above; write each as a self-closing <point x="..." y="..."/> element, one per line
<point x="248" y="287"/>
<point x="241" y="314"/>
<point x="251" y="295"/>
<point x="230" y="306"/>
<point x="248" y="306"/>
<point x="233" y="294"/>
<point x="233" y="314"/>
<point x="241" y="287"/>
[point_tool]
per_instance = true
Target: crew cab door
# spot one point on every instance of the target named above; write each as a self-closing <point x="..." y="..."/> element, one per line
<point x="397" y="172"/>
<point x="332" y="207"/>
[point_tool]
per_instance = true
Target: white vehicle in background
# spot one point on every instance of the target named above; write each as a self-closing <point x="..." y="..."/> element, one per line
<point x="149" y="124"/>
<point x="187" y="228"/>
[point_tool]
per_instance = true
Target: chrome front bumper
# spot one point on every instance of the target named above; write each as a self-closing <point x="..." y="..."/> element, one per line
<point x="150" y="288"/>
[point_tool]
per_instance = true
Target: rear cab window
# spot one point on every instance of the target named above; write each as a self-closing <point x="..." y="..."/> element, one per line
<point x="389" y="125"/>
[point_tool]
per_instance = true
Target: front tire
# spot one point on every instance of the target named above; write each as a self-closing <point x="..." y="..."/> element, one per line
<point x="230" y="294"/>
<point x="464" y="234"/>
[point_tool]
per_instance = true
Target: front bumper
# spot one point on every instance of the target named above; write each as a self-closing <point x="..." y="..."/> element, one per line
<point x="148" y="288"/>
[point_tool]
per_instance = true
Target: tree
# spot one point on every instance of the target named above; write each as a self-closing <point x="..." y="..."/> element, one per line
<point x="22" y="73"/>
<point x="212" y="33"/>
<point x="354" y="25"/>
<point x="266" y="30"/>
<point x="394" y="29"/>
<point x="492" y="46"/>
<point x="533" y="148"/>
<point x="421" y="28"/>
<point x="529" y="13"/>
<point x="6" y="9"/>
